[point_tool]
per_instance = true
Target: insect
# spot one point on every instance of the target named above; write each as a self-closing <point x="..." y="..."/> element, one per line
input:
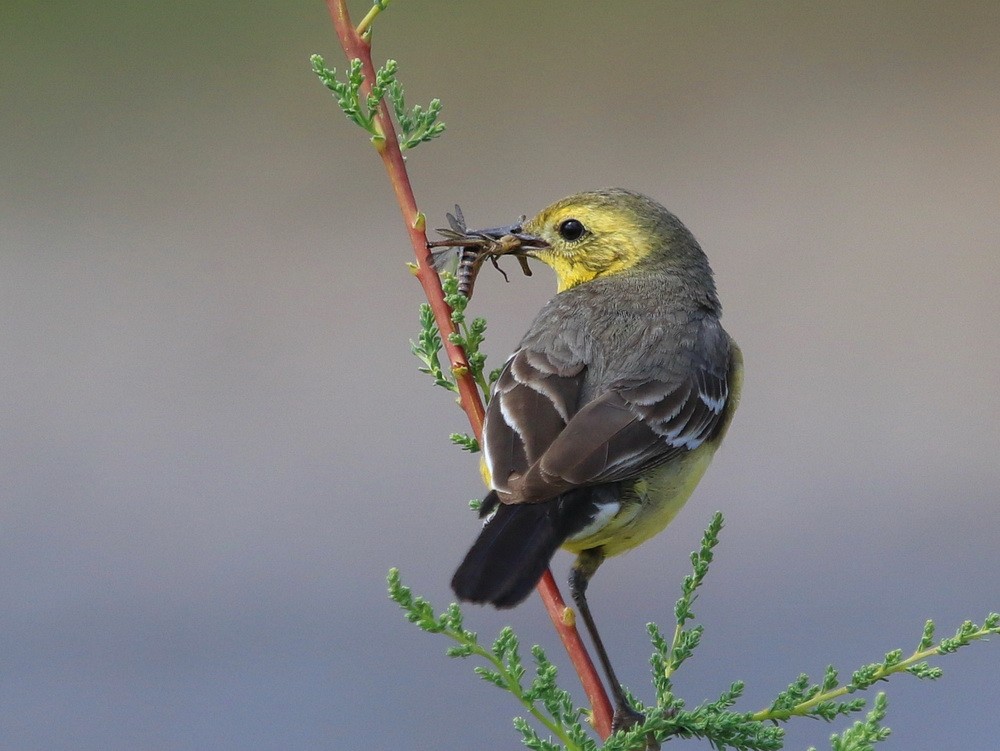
<point x="473" y="247"/>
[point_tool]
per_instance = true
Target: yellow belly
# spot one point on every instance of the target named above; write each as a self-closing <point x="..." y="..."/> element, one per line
<point x="649" y="504"/>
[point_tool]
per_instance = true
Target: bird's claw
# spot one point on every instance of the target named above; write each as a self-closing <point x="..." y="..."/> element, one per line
<point x="626" y="718"/>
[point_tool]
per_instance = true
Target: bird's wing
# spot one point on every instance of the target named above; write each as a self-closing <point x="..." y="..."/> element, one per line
<point x="538" y="447"/>
<point x="532" y="402"/>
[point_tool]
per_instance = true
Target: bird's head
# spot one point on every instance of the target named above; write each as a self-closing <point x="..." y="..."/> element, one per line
<point x="606" y="232"/>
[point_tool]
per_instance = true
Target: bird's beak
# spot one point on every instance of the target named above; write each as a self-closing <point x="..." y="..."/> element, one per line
<point x="514" y="241"/>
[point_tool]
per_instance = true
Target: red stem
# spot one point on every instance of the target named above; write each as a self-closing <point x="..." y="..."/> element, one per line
<point x="357" y="47"/>
<point x="563" y="619"/>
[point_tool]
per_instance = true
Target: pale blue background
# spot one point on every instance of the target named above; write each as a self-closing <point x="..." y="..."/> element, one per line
<point x="214" y="441"/>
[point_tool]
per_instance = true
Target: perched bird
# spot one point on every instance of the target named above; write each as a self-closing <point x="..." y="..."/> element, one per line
<point x="608" y="413"/>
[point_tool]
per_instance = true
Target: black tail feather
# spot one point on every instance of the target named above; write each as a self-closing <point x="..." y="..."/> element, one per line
<point x="510" y="555"/>
<point x="515" y="547"/>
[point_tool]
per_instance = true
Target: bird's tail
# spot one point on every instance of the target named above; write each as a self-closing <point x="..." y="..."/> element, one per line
<point x="516" y="545"/>
<point x="510" y="554"/>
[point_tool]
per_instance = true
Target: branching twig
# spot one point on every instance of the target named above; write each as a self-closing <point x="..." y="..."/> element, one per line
<point x="802" y="699"/>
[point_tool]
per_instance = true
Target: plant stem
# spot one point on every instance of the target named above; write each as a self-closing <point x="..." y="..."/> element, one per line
<point x="671" y="665"/>
<point x="565" y="626"/>
<point x="369" y="19"/>
<point x="356" y="45"/>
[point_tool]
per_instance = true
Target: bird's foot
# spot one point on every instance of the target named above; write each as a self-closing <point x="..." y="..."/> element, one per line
<point x="625" y="718"/>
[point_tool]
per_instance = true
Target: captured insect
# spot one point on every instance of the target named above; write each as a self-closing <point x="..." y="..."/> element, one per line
<point x="473" y="247"/>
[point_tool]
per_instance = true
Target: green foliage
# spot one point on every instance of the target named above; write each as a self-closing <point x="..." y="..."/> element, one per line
<point x="550" y="705"/>
<point x="862" y="736"/>
<point x="416" y="126"/>
<point x="348" y="94"/>
<point x="667" y="658"/>
<point x="802" y="699"/>
<point x="427" y="349"/>
<point x="465" y="442"/>
<point x="714" y="721"/>
<point x="469" y="336"/>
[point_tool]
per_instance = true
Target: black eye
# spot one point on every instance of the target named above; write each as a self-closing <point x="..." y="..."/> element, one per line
<point x="571" y="230"/>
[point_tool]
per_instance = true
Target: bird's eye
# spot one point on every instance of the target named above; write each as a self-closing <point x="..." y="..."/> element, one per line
<point x="571" y="230"/>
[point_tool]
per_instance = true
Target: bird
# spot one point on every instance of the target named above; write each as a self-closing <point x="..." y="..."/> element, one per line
<point x="606" y="416"/>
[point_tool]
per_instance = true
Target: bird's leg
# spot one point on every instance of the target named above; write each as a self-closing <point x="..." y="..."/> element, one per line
<point x="584" y="567"/>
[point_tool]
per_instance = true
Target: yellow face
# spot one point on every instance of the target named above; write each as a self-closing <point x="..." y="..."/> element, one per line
<point x="590" y="235"/>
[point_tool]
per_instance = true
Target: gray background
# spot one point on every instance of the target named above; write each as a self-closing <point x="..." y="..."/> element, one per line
<point x="215" y="443"/>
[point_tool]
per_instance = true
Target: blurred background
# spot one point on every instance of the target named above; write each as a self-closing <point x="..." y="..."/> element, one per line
<point x="215" y="441"/>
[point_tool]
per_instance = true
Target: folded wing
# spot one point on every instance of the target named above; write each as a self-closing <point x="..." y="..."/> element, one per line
<point x="540" y="441"/>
